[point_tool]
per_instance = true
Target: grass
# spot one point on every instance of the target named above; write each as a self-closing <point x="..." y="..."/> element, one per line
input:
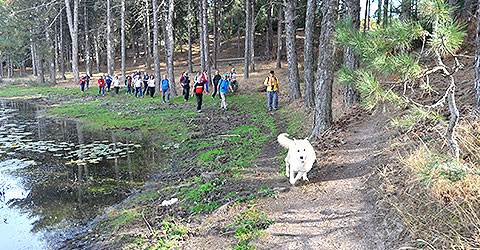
<point x="436" y="196"/>
<point x="198" y="198"/>
<point x="168" y="236"/>
<point x="248" y="226"/>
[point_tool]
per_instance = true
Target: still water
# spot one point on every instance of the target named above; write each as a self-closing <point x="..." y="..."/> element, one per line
<point x="56" y="177"/>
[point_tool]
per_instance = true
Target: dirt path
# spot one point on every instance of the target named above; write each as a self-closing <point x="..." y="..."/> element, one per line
<point x="336" y="210"/>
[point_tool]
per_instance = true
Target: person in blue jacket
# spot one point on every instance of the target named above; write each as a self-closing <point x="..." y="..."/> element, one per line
<point x="223" y="86"/>
<point x="165" y="88"/>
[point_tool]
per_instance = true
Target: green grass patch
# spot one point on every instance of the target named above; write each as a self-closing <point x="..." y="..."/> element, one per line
<point x="248" y="226"/>
<point x="125" y="217"/>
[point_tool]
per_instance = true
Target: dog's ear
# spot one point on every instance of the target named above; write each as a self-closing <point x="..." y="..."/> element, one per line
<point x="306" y="138"/>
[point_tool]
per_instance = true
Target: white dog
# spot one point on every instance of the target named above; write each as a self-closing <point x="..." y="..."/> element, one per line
<point x="300" y="157"/>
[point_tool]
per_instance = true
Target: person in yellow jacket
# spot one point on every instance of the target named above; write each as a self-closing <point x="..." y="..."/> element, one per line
<point x="271" y="82"/>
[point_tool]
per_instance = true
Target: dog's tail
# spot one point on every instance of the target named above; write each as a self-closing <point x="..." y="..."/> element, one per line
<point x="283" y="140"/>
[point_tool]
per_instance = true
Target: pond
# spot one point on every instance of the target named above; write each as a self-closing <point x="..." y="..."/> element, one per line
<point x="56" y="176"/>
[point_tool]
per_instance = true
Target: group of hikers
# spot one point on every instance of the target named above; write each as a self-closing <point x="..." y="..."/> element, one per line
<point x="141" y="84"/>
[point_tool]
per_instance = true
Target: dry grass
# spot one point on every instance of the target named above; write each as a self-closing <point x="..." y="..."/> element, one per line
<point x="437" y="197"/>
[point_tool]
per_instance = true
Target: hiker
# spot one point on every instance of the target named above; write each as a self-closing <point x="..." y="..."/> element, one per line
<point x="87" y="81"/>
<point x="185" y="83"/>
<point x="198" y="89"/>
<point x="108" y="81"/>
<point x="165" y="88"/>
<point x="205" y="79"/>
<point x="128" y="85"/>
<point x="151" y="86"/>
<point x="81" y="81"/>
<point x="272" y="91"/>
<point x="138" y="86"/>
<point x="145" y="82"/>
<point x="101" y="86"/>
<point x="116" y="84"/>
<point x="216" y="78"/>
<point x="233" y="79"/>
<point x="223" y="85"/>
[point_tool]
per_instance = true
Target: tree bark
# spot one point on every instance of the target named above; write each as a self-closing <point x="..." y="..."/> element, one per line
<point x="379" y="13"/>
<point x="148" y="54"/>
<point x="279" y="36"/>
<point x="189" y="28"/>
<point x="170" y="47"/>
<point x="62" y="49"/>
<point x="290" y="29"/>
<point x="201" y="31"/>
<point x="252" y="37"/>
<point x="308" y="66"/>
<point x="248" y="19"/>
<point x="88" y="68"/>
<point x="156" y="59"/>
<point x="454" y="115"/>
<point x="51" y="55"/>
<point x="124" y="54"/>
<point x="73" y="26"/>
<point x="350" y="93"/>
<point x="97" y="51"/>
<point x="385" y="13"/>
<point x="215" y="32"/>
<point x="32" y="51"/>
<point x="110" y="57"/>
<point x="269" y="37"/>
<point x="477" y="65"/>
<point x="322" y="118"/>
<point x="206" y="43"/>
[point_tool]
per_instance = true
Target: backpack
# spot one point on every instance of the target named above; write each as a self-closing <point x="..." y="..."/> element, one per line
<point x="199" y="88"/>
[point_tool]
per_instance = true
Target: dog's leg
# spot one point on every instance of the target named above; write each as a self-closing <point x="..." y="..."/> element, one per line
<point x="299" y="175"/>
<point x="305" y="176"/>
<point x="287" y="167"/>
<point x="292" y="177"/>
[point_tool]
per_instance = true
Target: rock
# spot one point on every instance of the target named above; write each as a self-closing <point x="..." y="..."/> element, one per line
<point x="169" y="202"/>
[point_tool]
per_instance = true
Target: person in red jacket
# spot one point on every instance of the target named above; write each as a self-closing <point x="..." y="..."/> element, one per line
<point x="82" y="83"/>
<point x="101" y="86"/>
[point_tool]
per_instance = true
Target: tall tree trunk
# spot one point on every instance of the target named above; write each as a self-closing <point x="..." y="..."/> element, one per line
<point x="55" y="47"/>
<point x="1" y="68"/>
<point x="215" y="32"/>
<point x="290" y="30"/>
<point x="350" y="93"/>
<point x="308" y="61"/>
<point x="170" y="47"/>
<point x="97" y="51"/>
<point x="269" y="37"/>
<point x="189" y="27"/>
<point x="156" y="60"/>
<point x="88" y="67"/>
<point x="206" y="43"/>
<point x="62" y="49"/>
<point x="40" y="71"/>
<point x="148" y="54"/>
<point x="379" y="13"/>
<point x="73" y="26"/>
<point x="200" y="34"/>
<point x="252" y="38"/>
<point x="279" y="36"/>
<point x="10" y="68"/>
<point x="477" y="64"/>
<point x="367" y="9"/>
<point x="124" y="54"/>
<point x="248" y="19"/>
<point x="385" y="13"/>
<point x="110" y="57"/>
<point x="51" y="54"/>
<point x="322" y="118"/>
<point x="32" y="51"/>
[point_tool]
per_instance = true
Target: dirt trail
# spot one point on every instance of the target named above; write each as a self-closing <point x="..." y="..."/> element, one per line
<point x="336" y="209"/>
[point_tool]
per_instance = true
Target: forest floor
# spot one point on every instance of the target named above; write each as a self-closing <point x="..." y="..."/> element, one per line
<point x="337" y="209"/>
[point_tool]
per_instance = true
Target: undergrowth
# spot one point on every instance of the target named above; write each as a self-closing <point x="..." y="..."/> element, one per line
<point x="436" y="196"/>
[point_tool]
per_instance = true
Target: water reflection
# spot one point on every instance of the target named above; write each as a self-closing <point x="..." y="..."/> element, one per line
<point x="45" y="197"/>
